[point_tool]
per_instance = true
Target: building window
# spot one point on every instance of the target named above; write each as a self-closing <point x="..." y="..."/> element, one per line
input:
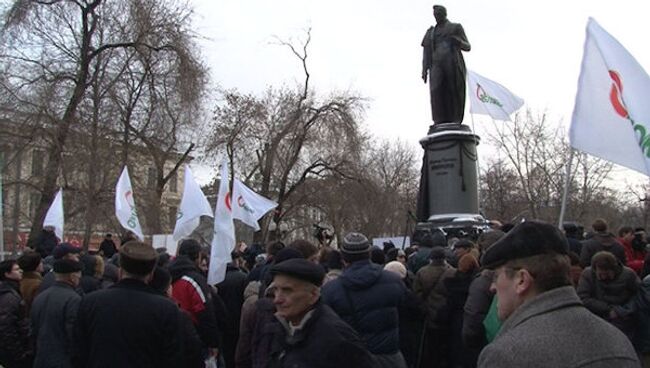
<point x="152" y="177"/>
<point x="38" y="157"/>
<point x="172" y="216"/>
<point x="173" y="182"/>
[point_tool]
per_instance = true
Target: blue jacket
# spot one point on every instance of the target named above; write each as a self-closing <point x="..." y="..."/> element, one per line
<point x="367" y="298"/>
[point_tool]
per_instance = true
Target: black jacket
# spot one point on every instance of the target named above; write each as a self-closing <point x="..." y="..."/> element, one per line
<point x="367" y="298"/>
<point x="477" y="305"/>
<point x="53" y="317"/>
<point x="108" y="248"/>
<point x="129" y="325"/>
<point x="13" y="325"/>
<point x="325" y="341"/>
<point x="231" y="291"/>
<point x="205" y="319"/>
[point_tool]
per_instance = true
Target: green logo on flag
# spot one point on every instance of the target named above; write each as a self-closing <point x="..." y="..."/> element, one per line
<point x="485" y="98"/>
<point x="616" y="99"/>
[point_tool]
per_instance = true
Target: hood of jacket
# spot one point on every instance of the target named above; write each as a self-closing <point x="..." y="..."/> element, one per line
<point x="606" y="239"/>
<point x="361" y="275"/>
<point x="181" y="266"/>
<point x="9" y="286"/>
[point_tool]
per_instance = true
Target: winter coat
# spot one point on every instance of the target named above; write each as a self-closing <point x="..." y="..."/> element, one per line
<point x="324" y="341"/>
<point x="107" y="247"/>
<point x="419" y="259"/>
<point x="45" y="243"/>
<point x="575" y="245"/>
<point x="231" y="290"/>
<point x="255" y="337"/>
<point x="29" y="288"/>
<point x="457" y="288"/>
<point x="53" y="317"/>
<point x="89" y="282"/>
<point x="14" y="326"/>
<point x="129" y="325"/>
<point x="639" y="306"/>
<point x="192" y="293"/>
<point x="477" y="305"/>
<point x="367" y="298"/>
<point x="429" y="287"/>
<point x="192" y="345"/>
<point x="553" y="329"/>
<point x="411" y="323"/>
<point x="634" y="258"/>
<point x="600" y="296"/>
<point x="49" y="280"/>
<point x="601" y="242"/>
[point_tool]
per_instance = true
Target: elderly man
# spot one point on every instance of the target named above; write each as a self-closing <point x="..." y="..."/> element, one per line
<point x="54" y="314"/>
<point x="309" y="333"/>
<point x="544" y="322"/>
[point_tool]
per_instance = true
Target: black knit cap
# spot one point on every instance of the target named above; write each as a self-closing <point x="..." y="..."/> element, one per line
<point x="301" y="269"/>
<point x="527" y="239"/>
<point x="138" y="258"/>
<point x="67" y="266"/>
<point x="355" y="243"/>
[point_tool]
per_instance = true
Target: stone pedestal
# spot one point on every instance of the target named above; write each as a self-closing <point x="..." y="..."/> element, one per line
<point x="449" y="183"/>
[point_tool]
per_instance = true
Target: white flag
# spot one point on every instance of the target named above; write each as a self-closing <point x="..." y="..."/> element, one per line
<point x="54" y="216"/>
<point x="193" y="206"/>
<point x="249" y="206"/>
<point x="611" y="114"/>
<point x="223" y="240"/>
<point x="125" y="205"/>
<point x="488" y="97"/>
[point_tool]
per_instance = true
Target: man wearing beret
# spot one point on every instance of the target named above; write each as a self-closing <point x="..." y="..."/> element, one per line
<point x="53" y="316"/>
<point x="130" y="324"/>
<point x="544" y="321"/>
<point x="309" y="333"/>
<point x="367" y="298"/>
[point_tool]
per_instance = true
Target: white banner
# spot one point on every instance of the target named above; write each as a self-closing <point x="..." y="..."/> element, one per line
<point x="611" y="114"/>
<point x="125" y="205"/>
<point x="223" y="240"/>
<point x="193" y="206"/>
<point x="249" y="206"/>
<point x="488" y="97"/>
<point x="54" y="216"/>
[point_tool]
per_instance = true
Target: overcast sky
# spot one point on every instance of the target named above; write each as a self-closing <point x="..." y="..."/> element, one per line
<point x="534" y="48"/>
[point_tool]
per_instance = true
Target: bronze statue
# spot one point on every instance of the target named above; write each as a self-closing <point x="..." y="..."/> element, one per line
<point x="443" y="61"/>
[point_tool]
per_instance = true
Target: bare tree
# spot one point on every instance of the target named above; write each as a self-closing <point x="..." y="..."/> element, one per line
<point x="288" y="136"/>
<point x="70" y="40"/>
<point x="537" y="154"/>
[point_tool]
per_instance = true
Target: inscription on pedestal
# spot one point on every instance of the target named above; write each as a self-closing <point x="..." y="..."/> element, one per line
<point x="442" y="166"/>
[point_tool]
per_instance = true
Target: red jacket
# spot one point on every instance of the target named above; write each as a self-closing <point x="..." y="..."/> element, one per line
<point x="634" y="257"/>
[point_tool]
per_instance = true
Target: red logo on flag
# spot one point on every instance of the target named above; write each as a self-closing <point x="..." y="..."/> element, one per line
<point x="228" y="205"/>
<point x="615" y="95"/>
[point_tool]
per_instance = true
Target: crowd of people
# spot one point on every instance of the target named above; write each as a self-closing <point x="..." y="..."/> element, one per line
<point x="526" y="295"/>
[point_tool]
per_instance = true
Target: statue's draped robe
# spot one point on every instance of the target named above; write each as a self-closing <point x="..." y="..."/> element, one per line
<point x="443" y="58"/>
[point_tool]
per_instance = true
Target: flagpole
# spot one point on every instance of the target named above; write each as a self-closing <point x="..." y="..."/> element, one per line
<point x="478" y="164"/>
<point x="567" y="180"/>
<point x="2" y="226"/>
